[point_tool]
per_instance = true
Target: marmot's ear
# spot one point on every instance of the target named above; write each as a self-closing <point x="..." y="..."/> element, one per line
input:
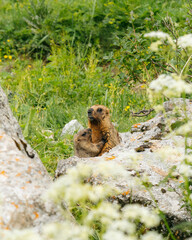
<point x="107" y="111"/>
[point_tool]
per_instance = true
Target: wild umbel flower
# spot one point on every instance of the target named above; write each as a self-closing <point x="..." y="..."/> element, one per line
<point x="170" y="86"/>
<point x="25" y="234"/>
<point x="74" y="187"/>
<point x="117" y="235"/>
<point x="66" y="230"/>
<point x="185" y="130"/>
<point x="106" y="213"/>
<point x="123" y="225"/>
<point x="157" y="34"/>
<point x="137" y="212"/>
<point x="152" y="235"/>
<point x="185" y="41"/>
<point x="185" y="170"/>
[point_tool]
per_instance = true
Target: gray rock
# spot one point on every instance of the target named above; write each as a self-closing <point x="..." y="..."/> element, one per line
<point x="10" y="125"/>
<point x="23" y="178"/>
<point x="71" y="127"/>
<point x="144" y="143"/>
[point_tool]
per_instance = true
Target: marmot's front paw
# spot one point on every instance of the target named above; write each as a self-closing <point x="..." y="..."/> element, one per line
<point x="104" y="140"/>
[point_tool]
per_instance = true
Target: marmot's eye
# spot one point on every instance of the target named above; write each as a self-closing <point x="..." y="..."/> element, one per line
<point x="99" y="110"/>
<point x="83" y="134"/>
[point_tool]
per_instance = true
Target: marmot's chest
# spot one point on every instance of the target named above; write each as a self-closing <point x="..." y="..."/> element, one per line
<point x="96" y="136"/>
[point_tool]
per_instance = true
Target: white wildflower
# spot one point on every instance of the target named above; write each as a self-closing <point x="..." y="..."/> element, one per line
<point x="99" y="192"/>
<point x="155" y="46"/>
<point x="185" y="169"/>
<point x="168" y="153"/>
<point x="81" y="171"/>
<point x="25" y="234"/>
<point x="159" y="108"/>
<point x="65" y="230"/>
<point x="123" y="226"/>
<point x="161" y="35"/>
<point x="185" y="41"/>
<point x="185" y="130"/>
<point x="157" y="34"/>
<point x="110" y="169"/>
<point x="117" y="235"/>
<point x="151" y="236"/>
<point x="135" y="211"/>
<point x="106" y="213"/>
<point x="73" y="188"/>
<point x="170" y="86"/>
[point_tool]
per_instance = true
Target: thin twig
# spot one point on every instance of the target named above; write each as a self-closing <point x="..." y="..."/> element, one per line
<point x="158" y="64"/>
<point x="142" y="113"/>
<point x="169" y="65"/>
<point x="185" y="66"/>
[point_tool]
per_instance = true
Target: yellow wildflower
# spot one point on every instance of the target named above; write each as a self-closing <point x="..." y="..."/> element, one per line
<point x="40" y="79"/>
<point x="5" y="56"/>
<point x="126" y="108"/>
<point x="8" y="40"/>
<point x="10" y="57"/>
<point x="29" y="66"/>
<point x="0" y="60"/>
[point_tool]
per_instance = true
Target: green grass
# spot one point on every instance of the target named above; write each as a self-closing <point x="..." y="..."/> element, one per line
<point x="45" y="97"/>
<point x="58" y="58"/>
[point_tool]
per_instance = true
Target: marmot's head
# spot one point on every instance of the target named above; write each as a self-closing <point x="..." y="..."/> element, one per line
<point x="97" y="113"/>
<point x="83" y="135"/>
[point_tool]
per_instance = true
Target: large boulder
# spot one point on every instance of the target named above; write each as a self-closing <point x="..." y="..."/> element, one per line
<point x="71" y="127"/>
<point x="141" y="153"/>
<point x="23" y="178"/>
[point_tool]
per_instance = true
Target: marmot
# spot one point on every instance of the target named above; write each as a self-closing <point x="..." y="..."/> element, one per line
<point x="83" y="144"/>
<point x="102" y="128"/>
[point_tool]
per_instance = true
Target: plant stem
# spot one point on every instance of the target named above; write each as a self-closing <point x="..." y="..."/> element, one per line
<point x="185" y="66"/>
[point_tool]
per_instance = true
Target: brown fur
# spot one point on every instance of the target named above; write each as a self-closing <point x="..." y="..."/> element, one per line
<point x="83" y="144"/>
<point x="102" y="128"/>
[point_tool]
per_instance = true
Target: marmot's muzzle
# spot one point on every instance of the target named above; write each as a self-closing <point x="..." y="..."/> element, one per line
<point x="90" y="110"/>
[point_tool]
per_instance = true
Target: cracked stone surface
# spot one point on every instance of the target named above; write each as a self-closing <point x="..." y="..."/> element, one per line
<point x="145" y="141"/>
<point x="23" y="178"/>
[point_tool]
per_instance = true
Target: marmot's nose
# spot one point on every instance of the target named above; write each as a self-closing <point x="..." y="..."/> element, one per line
<point x="90" y="110"/>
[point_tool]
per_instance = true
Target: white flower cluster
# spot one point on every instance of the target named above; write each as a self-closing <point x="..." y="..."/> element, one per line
<point x="185" y="41"/>
<point x="157" y="34"/>
<point x="141" y="213"/>
<point x="185" y="130"/>
<point x="124" y="227"/>
<point x="106" y="213"/>
<point x="65" y="230"/>
<point x="27" y="234"/>
<point x="185" y="170"/>
<point x="170" y="86"/>
<point x="53" y="231"/>
<point x="72" y="187"/>
<point x="160" y="35"/>
<point x="151" y="236"/>
<point x="186" y="166"/>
